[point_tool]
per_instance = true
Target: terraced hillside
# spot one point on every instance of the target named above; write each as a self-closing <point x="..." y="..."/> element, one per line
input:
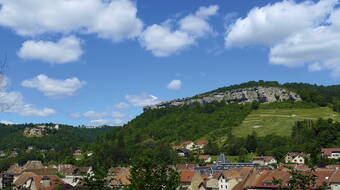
<point x="280" y="121"/>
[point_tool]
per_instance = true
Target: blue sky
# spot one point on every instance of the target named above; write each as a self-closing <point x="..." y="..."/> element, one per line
<point x="92" y="62"/>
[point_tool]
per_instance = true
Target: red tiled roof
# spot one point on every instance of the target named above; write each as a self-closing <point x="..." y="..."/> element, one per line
<point x="201" y="142"/>
<point x="176" y="147"/>
<point x="187" y="142"/>
<point x="328" y="151"/>
<point x="265" y="158"/>
<point x="204" y="157"/>
<point x="186" y="176"/>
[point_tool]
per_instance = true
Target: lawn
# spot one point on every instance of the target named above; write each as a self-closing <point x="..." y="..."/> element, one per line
<point x="280" y="121"/>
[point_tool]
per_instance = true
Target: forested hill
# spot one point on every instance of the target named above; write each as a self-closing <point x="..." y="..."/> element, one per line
<point x="51" y="146"/>
<point x="220" y="121"/>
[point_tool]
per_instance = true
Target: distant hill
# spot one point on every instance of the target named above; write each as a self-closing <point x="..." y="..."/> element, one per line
<point x="227" y="116"/>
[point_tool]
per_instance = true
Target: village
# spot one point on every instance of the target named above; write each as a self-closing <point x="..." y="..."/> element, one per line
<point x="215" y="174"/>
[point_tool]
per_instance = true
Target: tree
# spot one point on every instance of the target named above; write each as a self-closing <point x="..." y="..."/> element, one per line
<point x="302" y="180"/>
<point x="152" y="175"/>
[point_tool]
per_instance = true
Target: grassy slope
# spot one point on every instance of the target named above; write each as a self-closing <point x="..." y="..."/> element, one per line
<point x="280" y="121"/>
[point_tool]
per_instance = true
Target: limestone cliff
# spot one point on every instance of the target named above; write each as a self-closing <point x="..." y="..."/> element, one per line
<point x="244" y="95"/>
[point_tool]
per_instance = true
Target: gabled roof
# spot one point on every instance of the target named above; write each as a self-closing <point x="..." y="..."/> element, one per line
<point x="43" y="171"/>
<point x="54" y="182"/>
<point x="204" y="157"/>
<point x="329" y="151"/>
<point x="23" y="178"/>
<point x="33" y="164"/>
<point x="186" y="166"/>
<point x="202" y="142"/>
<point x="186" y="176"/>
<point x="187" y="142"/>
<point x="335" y="178"/>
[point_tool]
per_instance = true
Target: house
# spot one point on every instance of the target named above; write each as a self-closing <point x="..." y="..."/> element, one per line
<point x="46" y="182"/>
<point x="73" y="174"/>
<point x="2" y="154"/>
<point x="200" y="144"/>
<point x="176" y="147"/>
<point x="296" y="158"/>
<point x="334" y="180"/>
<point x="264" y="160"/>
<point x="230" y="178"/>
<point x="77" y="153"/>
<point x="32" y="164"/>
<point x="331" y="153"/>
<point x="24" y="181"/>
<point x="183" y="152"/>
<point x="185" y="178"/>
<point x="205" y="158"/>
<point x="188" y="145"/>
<point x="119" y="177"/>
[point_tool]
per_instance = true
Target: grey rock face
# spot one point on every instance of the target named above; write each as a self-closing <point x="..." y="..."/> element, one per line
<point x="244" y="95"/>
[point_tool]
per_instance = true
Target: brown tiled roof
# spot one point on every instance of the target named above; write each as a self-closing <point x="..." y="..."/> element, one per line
<point x="54" y="182"/>
<point x="23" y="178"/>
<point x="186" y="176"/>
<point x="277" y="174"/>
<point x="323" y="176"/>
<point x="333" y="166"/>
<point x="43" y="171"/>
<point x="186" y="166"/>
<point x="328" y="151"/>
<point x="238" y="173"/>
<point x="335" y="178"/>
<point x="14" y="170"/>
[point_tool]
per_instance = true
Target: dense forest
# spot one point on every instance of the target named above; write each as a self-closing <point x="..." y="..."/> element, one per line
<point x="56" y="146"/>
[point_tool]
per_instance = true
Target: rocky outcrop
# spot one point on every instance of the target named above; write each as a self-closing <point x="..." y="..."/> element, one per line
<point x="244" y="95"/>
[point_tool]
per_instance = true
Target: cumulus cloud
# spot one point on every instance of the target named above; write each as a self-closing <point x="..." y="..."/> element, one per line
<point x="165" y="40"/>
<point x="270" y="24"/>
<point x="116" y="20"/>
<point x="89" y="114"/>
<point x="141" y="100"/>
<point x="13" y="102"/>
<point x="53" y="87"/>
<point x="175" y="85"/>
<point x="66" y="50"/>
<point x="99" y="122"/>
<point x="117" y="114"/>
<point x="308" y="35"/>
<point x="6" y="122"/>
<point x="121" y="106"/>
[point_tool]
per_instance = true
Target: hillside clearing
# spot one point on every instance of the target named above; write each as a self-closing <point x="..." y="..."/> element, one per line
<point x="280" y="121"/>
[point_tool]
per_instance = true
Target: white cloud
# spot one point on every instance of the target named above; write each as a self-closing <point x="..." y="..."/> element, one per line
<point x="272" y="23"/>
<point x="175" y="85"/>
<point x="196" y="24"/>
<point x="142" y="100"/>
<point x="66" y="50"/>
<point x="163" y="40"/>
<point x="121" y="106"/>
<point x="118" y="122"/>
<point x="53" y="87"/>
<point x="117" y="114"/>
<point x="307" y="36"/>
<point x="93" y="114"/>
<point x="13" y="102"/>
<point x="116" y="20"/>
<point x="99" y="122"/>
<point x="6" y="122"/>
<point x="89" y="114"/>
